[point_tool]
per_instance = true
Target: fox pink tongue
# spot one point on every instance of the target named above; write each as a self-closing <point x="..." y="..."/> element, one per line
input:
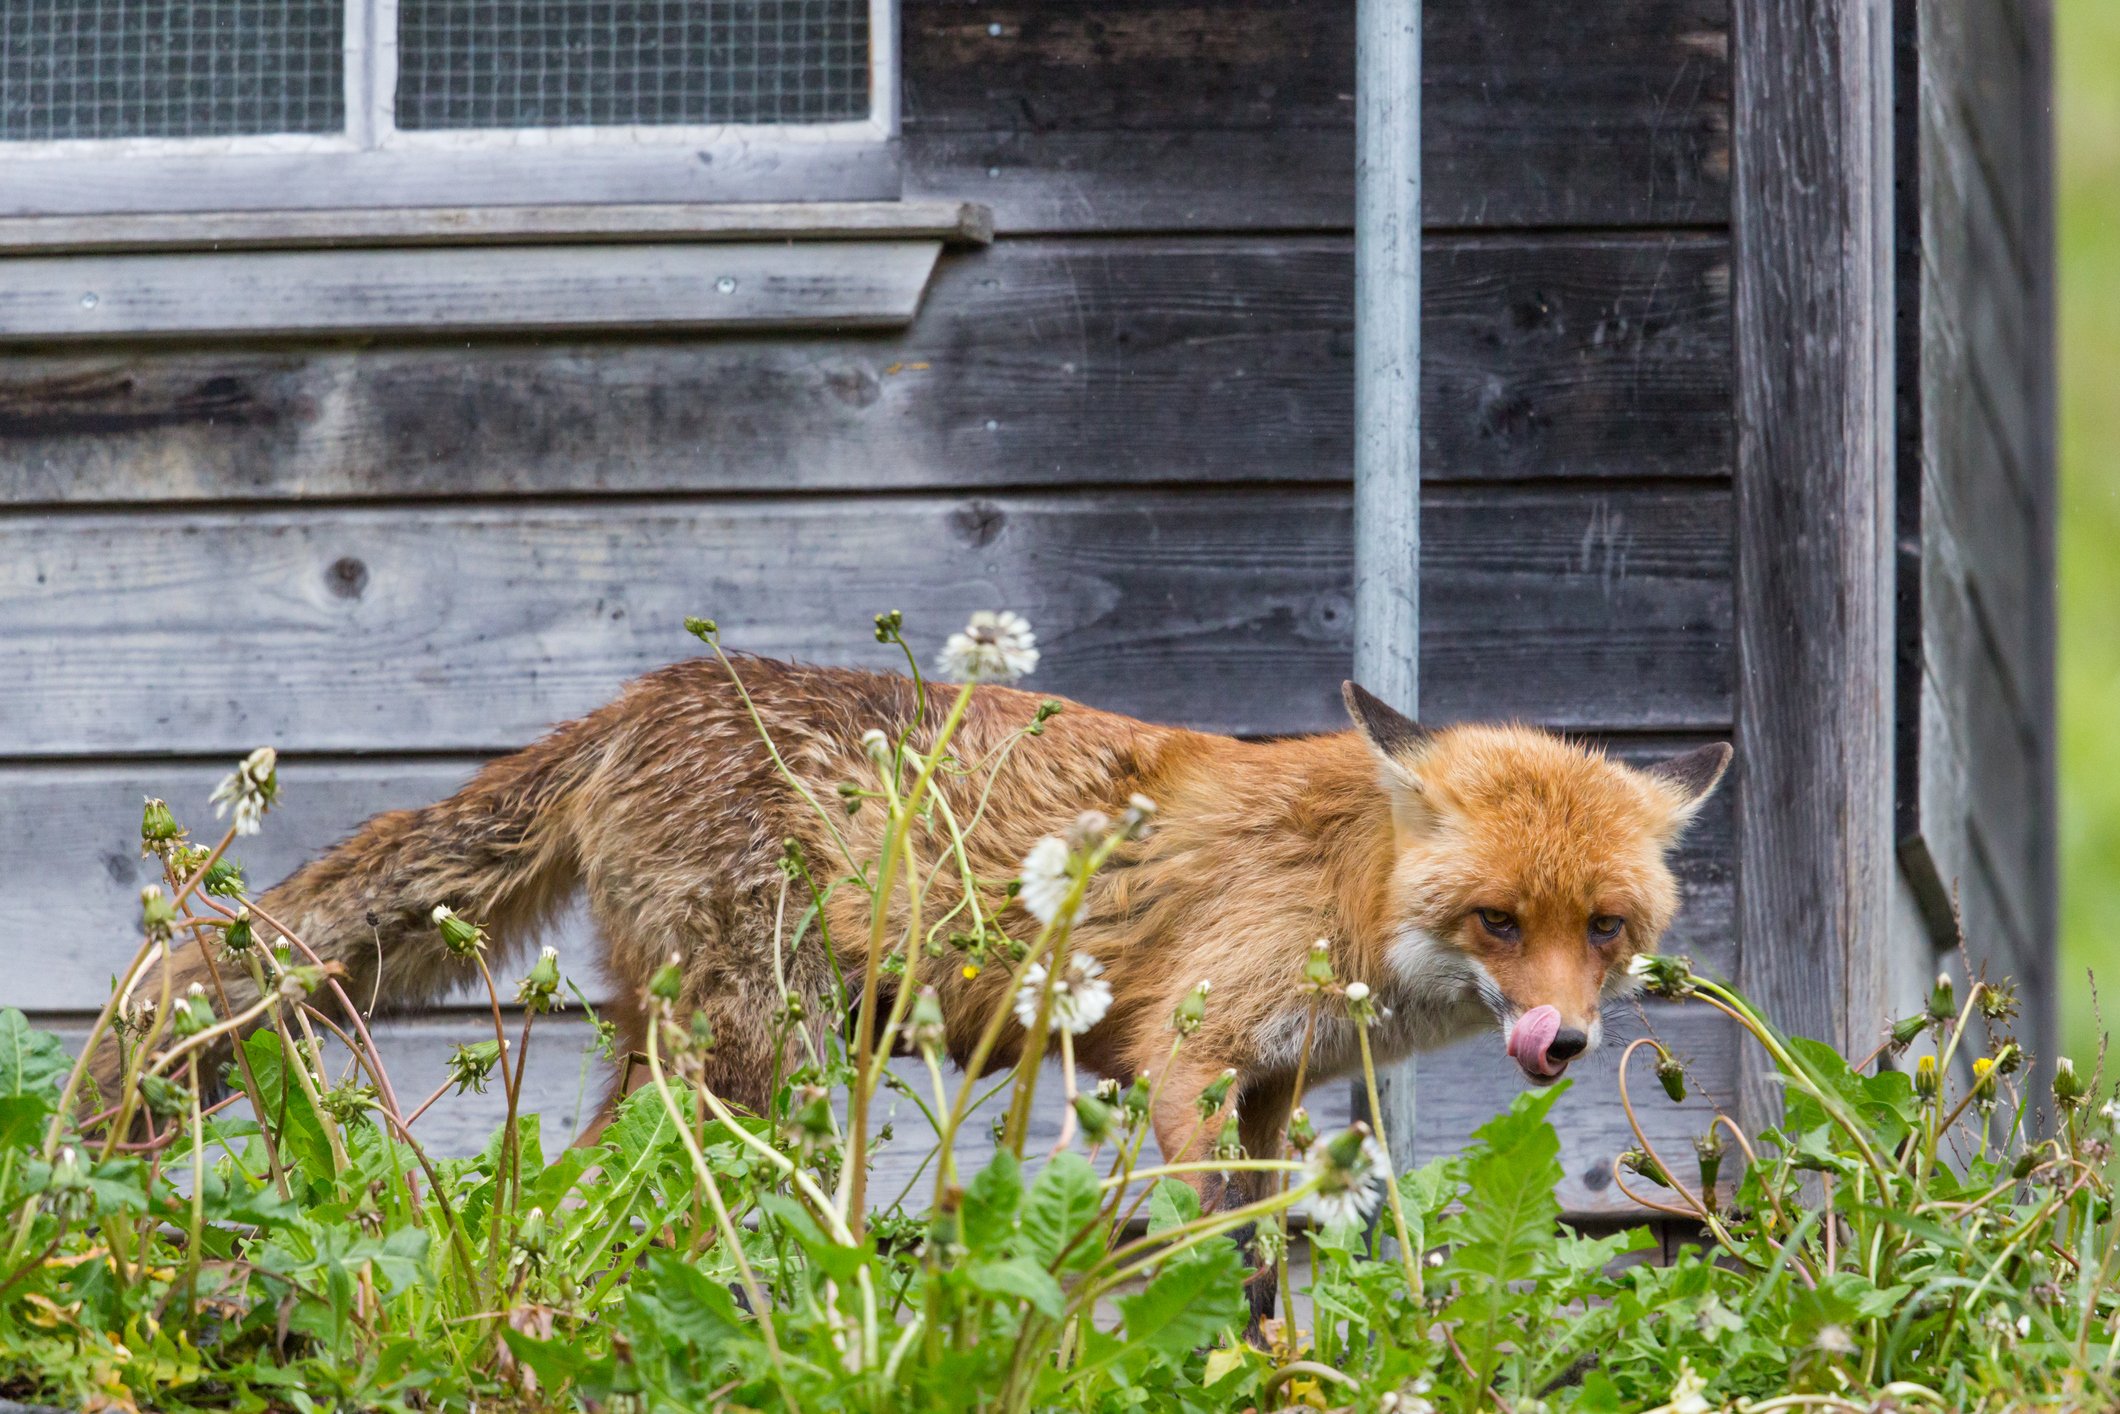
<point x="1529" y="1038"/>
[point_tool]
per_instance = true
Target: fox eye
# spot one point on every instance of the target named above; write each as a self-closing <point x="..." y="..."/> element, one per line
<point x="1604" y="927"/>
<point x="1499" y="922"/>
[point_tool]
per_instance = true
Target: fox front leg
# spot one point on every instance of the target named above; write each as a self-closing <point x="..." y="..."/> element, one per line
<point x="1188" y="1119"/>
<point x="1188" y="1124"/>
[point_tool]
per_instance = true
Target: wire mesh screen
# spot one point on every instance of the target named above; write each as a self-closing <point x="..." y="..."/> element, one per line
<point x="170" y="68"/>
<point x="606" y="63"/>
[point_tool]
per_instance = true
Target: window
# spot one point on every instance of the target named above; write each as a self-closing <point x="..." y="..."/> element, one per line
<point x="170" y="105"/>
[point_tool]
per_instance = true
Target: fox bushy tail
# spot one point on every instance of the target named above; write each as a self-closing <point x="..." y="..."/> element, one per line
<point x="501" y="851"/>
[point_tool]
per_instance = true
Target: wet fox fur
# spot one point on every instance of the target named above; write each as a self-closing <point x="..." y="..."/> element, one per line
<point x="1468" y="875"/>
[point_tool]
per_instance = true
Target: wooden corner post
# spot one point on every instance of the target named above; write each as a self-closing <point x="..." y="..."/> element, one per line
<point x="1387" y="394"/>
<point x="1812" y="198"/>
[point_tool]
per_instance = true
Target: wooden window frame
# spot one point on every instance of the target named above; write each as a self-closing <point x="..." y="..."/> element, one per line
<point x="374" y="164"/>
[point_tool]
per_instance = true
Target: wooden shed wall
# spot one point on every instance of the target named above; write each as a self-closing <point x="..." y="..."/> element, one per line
<point x="1129" y="419"/>
<point x="1976" y="486"/>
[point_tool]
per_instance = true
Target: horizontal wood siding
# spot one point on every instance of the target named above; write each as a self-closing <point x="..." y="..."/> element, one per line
<point x="1976" y="479"/>
<point x="469" y="627"/>
<point x="1239" y="114"/>
<point x="566" y="1082"/>
<point x="89" y="816"/>
<point x="1034" y="363"/>
<point x="1129" y="418"/>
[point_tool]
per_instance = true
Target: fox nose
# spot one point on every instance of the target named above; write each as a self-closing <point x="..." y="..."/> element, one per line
<point x="1567" y="1044"/>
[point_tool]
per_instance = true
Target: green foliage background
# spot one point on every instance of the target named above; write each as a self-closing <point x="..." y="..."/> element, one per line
<point x="2087" y="116"/>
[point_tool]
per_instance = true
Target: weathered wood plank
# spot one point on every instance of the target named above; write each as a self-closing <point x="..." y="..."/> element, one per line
<point x="1974" y="290"/>
<point x="470" y="627"/>
<point x="1159" y="114"/>
<point x="566" y="1082"/>
<point x="1469" y="1087"/>
<point x="1975" y="63"/>
<point x="449" y="290"/>
<point x="1976" y="822"/>
<point x="1814" y="298"/>
<point x="1459" y="1089"/>
<point x="1971" y="736"/>
<point x="1960" y="847"/>
<point x="953" y="222"/>
<point x="1954" y="870"/>
<point x="70" y="887"/>
<point x="1031" y="363"/>
<point x="1970" y="657"/>
<point x="1969" y="488"/>
<point x="1985" y="731"/>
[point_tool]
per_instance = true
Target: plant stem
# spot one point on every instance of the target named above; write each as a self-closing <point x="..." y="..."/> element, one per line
<point x="760" y="1311"/>
<point x="1408" y="1258"/>
<point x="250" y="1081"/>
<point x="196" y="1232"/>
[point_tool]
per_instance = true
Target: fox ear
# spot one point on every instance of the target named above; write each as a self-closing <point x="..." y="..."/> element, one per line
<point x="1394" y="737"/>
<point x="1391" y="732"/>
<point x="1692" y="776"/>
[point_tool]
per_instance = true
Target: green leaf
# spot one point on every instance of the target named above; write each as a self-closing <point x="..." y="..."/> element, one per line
<point x="554" y="1362"/>
<point x="1509" y="1226"/>
<point x="400" y="1258"/>
<point x="120" y="1185"/>
<point x="1191" y="1303"/>
<point x="992" y="1202"/>
<point x="1598" y="1395"/>
<point x="642" y="1125"/>
<point x="1064" y="1201"/>
<point x="1171" y="1203"/>
<point x="1588" y="1257"/>
<point x="1022" y="1278"/>
<point x="1886" y="1103"/>
<point x="32" y="1063"/>
<point x="558" y="1182"/>
<point x="831" y="1259"/>
<point x="281" y="1106"/>
<point x="696" y="1308"/>
<point x="1423" y="1194"/>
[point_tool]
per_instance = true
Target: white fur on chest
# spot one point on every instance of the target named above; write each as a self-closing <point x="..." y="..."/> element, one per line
<point x="1431" y="996"/>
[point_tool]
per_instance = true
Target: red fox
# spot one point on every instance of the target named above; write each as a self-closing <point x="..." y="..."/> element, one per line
<point x="1471" y="876"/>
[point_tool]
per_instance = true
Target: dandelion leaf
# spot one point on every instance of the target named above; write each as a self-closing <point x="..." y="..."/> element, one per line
<point x="1192" y="1302"/>
<point x="1064" y="1200"/>
<point x="31" y="1065"/>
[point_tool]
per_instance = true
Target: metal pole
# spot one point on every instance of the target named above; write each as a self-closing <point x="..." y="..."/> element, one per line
<point x="1387" y="389"/>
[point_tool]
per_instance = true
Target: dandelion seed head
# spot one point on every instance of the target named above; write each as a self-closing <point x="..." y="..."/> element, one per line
<point x="248" y="790"/>
<point x="992" y="647"/>
<point x="1349" y="1177"/>
<point x="1081" y="996"/>
<point x="1045" y="880"/>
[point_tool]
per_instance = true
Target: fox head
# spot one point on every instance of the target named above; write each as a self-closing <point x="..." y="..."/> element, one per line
<point x="1528" y="871"/>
